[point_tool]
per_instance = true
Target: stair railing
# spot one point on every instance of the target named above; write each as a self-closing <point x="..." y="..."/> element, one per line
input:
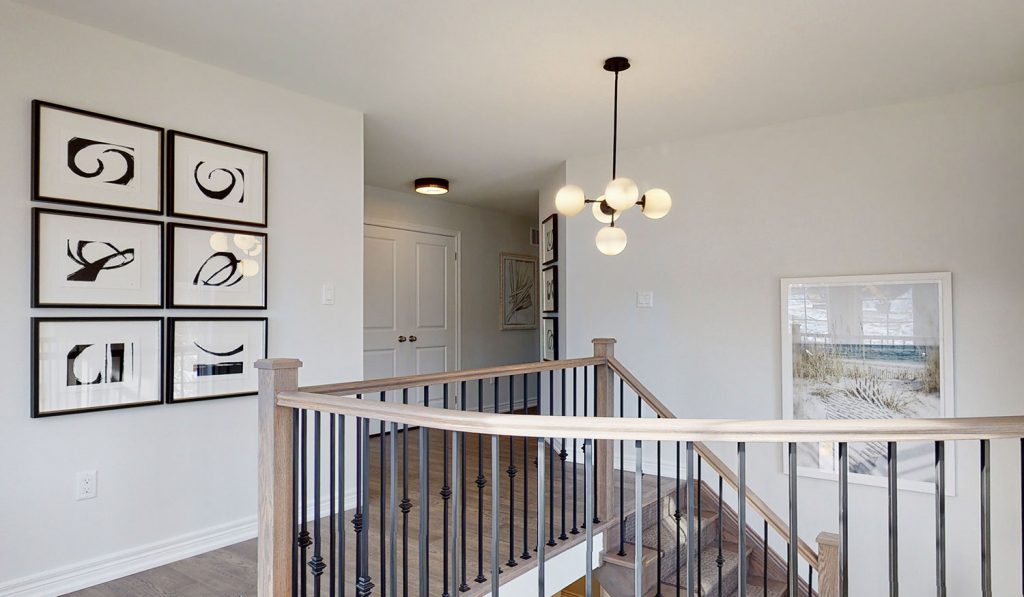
<point x="302" y="551"/>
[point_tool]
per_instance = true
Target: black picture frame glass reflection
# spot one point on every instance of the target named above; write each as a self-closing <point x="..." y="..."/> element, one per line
<point x="216" y="268"/>
<point x="549" y="338"/>
<point x="92" y="159"/>
<point x="210" y="358"/>
<point x="89" y="260"/>
<point x="549" y="240"/>
<point x="549" y="289"/>
<point x="216" y="180"/>
<point x="89" y="364"/>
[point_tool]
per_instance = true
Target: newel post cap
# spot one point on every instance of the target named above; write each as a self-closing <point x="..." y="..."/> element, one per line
<point x="829" y="539"/>
<point x="278" y="364"/>
<point x="597" y="341"/>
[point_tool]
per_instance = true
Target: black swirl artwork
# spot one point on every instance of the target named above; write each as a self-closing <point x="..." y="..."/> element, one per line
<point x="100" y="155"/>
<point x="220" y="269"/>
<point x="236" y="178"/>
<point x="95" y="257"/>
<point x="107" y="359"/>
<point x="219" y="368"/>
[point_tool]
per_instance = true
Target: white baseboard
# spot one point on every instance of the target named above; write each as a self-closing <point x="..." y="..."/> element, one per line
<point x="116" y="565"/>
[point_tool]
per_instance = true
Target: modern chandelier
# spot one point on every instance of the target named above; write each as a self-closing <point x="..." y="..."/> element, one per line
<point x="620" y="194"/>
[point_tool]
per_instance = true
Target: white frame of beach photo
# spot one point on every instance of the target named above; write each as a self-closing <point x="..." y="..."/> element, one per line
<point x="946" y="360"/>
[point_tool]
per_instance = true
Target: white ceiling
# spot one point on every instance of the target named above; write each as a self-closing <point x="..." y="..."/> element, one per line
<point x="494" y="94"/>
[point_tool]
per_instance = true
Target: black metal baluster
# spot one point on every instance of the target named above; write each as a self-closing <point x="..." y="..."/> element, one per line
<point x="296" y="475"/>
<point x="495" y="501"/>
<point x="446" y="494"/>
<point x="660" y="552"/>
<point x="341" y="506"/>
<point x="588" y="512"/>
<point x="741" y="518"/>
<point x="986" y="518"/>
<point x="575" y="470"/>
<point x="456" y="448"/>
<point x="357" y="519"/>
<point x="622" y="477"/>
<point x="844" y="514"/>
<point x="940" y="518"/>
<point x="720" y="560"/>
<point x="700" y="525"/>
<point x="392" y="492"/>
<point x="541" y="542"/>
<point x="1022" y="512"/>
<point x="764" y="556"/>
<point x="304" y="540"/>
<point x="810" y="580"/>
<point x="586" y="478"/>
<point x="562" y="455"/>
<point x="331" y="535"/>
<point x="424" y="532"/>
<point x="638" y="514"/>
<point x="551" y="470"/>
<point x="793" y="553"/>
<point x="691" y="572"/>
<point x="463" y="586"/>
<point x="511" y="470"/>
<point x="406" y="502"/>
<point x="316" y="563"/>
<point x="481" y="482"/>
<point x="593" y="480"/>
<point x="364" y="583"/>
<point x="383" y="497"/>
<point x="678" y="515"/>
<point x="526" y="474"/>
<point x="894" y="575"/>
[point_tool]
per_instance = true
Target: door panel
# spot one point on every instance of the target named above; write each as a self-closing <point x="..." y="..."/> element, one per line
<point x="379" y="278"/>
<point x="431" y="290"/>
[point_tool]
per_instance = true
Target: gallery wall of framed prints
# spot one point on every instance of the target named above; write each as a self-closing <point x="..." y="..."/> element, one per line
<point x="549" y="288"/>
<point x="85" y="260"/>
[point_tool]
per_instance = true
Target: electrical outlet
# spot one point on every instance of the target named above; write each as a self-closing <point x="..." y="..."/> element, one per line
<point x="85" y="485"/>
<point x="645" y="299"/>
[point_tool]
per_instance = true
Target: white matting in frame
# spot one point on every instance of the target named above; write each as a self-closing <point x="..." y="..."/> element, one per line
<point x="214" y="357"/>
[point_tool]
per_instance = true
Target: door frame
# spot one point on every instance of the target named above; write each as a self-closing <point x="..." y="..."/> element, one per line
<point x="455" y="234"/>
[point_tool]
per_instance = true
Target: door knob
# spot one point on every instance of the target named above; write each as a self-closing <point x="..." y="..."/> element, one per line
<point x="401" y="338"/>
<point x="412" y="338"/>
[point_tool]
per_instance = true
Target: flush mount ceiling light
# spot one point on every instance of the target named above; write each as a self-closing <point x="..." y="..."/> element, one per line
<point x="620" y="194"/>
<point x="431" y="186"/>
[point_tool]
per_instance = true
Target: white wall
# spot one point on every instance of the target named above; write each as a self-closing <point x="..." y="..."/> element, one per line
<point x="169" y="475"/>
<point x="930" y="185"/>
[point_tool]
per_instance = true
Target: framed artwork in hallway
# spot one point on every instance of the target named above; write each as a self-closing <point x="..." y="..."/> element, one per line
<point x="869" y="347"/>
<point x="549" y="289"/>
<point x="85" y="158"/>
<point x="549" y="339"/>
<point x="86" y="260"/>
<point x="213" y="357"/>
<point x="549" y="239"/>
<point x="216" y="180"/>
<point x="90" y="364"/>
<point x="518" y="279"/>
<point x="216" y="268"/>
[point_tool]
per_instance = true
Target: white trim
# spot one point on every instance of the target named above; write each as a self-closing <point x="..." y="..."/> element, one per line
<point x="81" y="575"/>
<point x="457" y="235"/>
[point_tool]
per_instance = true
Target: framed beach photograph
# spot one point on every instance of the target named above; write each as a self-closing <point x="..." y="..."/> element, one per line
<point x="216" y="268"/>
<point x="549" y="239"/>
<point x="85" y="158"/>
<point x="549" y="339"/>
<point x="518" y="279"/>
<point x="86" y="260"/>
<point x="89" y="364"/>
<point x="213" y="357"/>
<point x="549" y="289"/>
<point x="216" y="180"/>
<point x="869" y="347"/>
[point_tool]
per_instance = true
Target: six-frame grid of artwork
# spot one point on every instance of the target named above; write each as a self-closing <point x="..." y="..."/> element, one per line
<point x="84" y="260"/>
<point x="549" y="288"/>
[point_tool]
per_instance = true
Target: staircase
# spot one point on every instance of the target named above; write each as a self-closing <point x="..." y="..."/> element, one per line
<point x="617" y="573"/>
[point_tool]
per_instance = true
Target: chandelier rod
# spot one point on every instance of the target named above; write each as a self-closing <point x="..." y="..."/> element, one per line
<point x="615" y="125"/>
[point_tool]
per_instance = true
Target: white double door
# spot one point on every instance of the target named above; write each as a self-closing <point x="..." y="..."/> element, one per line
<point x="410" y="305"/>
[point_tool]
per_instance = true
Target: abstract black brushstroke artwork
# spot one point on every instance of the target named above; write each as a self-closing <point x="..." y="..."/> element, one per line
<point x="236" y="178"/>
<point x="219" y="269"/>
<point x="102" y="157"/>
<point x="108" y="361"/>
<point x="109" y="257"/>
<point x="222" y="367"/>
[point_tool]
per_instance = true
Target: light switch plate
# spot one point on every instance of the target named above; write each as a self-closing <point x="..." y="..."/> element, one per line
<point x="327" y="295"/>
<point x="645" y="299"/>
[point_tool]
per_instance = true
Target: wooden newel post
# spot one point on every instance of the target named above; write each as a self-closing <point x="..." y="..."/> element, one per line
<point x="604" y="450"/>
<point x="274" y="545"/>
<point x="828" y="565"/>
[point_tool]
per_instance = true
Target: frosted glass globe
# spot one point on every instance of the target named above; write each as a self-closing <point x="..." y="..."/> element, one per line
<point x="611" y="240"/>
<point x="245" y="242"/>
<point x="219" y="242"/>
<point x="657" y="203"/>
<point x="621" y="193"/>
<point x="570" y="200"/>
<point x="249" y="267"/>
<point x="599" y="215"/>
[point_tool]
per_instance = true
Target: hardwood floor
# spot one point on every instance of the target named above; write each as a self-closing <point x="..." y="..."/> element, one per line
<point x="231" y="571"/>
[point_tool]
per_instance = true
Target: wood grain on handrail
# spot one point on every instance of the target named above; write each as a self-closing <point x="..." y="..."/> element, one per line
<point x="370" y="386"/>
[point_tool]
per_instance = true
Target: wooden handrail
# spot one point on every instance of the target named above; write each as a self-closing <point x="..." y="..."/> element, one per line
<point x="370" y="386"/>
<point x="730" y="477"/>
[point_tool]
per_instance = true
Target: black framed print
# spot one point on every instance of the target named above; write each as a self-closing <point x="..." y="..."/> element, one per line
<point x="216" y="180"/>
<point x="214" y="357"/>
<point x="88" y="364"/>
<point x="216" y="268"/>
<point x="549" y="337"/>
<point x="549" y="239"/>
<point x="86" y="260"/>
<point x="549" y="289"/>
<point x="85" y="158"/>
